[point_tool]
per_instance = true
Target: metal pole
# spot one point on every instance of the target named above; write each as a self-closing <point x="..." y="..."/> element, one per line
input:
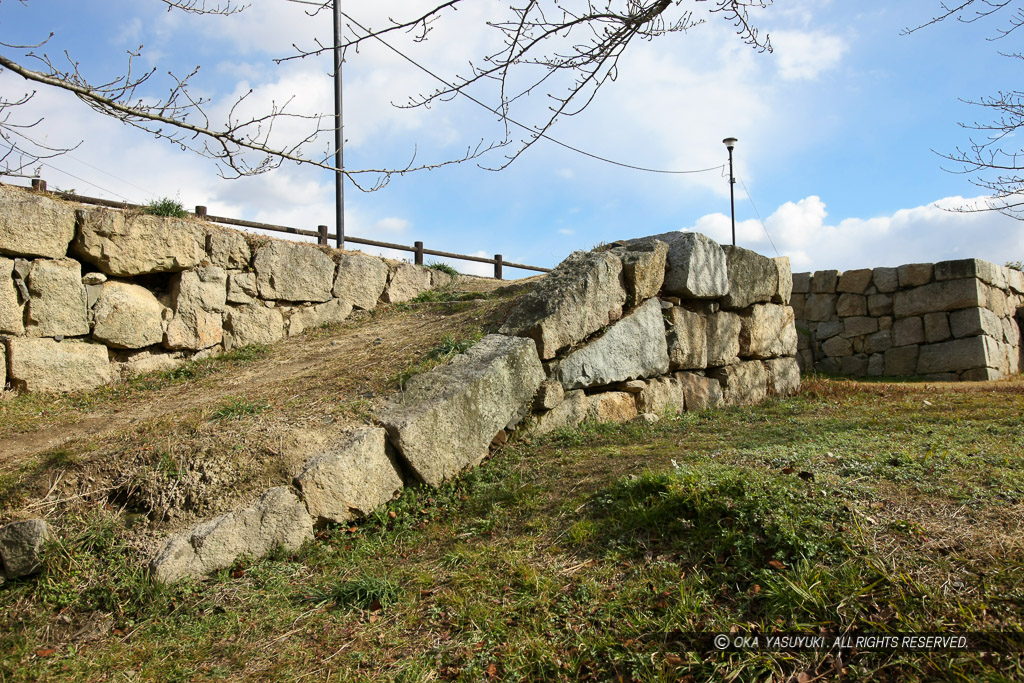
<point x="732" y="198"/>
<point x="339" y="138"/>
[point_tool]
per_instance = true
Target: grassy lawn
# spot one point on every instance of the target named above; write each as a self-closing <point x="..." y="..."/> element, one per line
<point x="588" y="554"/>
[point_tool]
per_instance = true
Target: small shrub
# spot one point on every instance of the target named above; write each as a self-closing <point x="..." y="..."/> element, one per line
<point x="170" y="208"/>
<point x="235" y="408"/>
<point x="444" y="268"/>
<point x="1016" y="265"/>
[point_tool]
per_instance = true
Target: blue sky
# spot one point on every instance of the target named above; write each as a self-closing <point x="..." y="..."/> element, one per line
<point x="836" y="130"/>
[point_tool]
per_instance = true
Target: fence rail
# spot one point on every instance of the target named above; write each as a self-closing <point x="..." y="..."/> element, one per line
<point x="321" y="234"/>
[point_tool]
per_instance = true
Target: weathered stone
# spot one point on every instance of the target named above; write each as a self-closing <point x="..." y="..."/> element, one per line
<point x="611" y="406"/>
<point x="127" y="316"/>
<point x="700" y="392"/>
<point x="858" y="326"/>
<point x="1011" y="332"/>
<point x="806" y="360"/>
<point x="723" y="338"/>
<point x="632" y="348"/>
<point x="885" y="322"/>
<point x="798" y="302"/>
<point x="973" y="321"/>
<point x="854" y="366"/>
<point x="959" y="354"/>
<point x="292" y="271"/>
<point x="980" y="375"/>
<point x="580" y="296"/>
<point x="21" y="547"/>
<point x="879" y="342"/>
<point x="824" y="281"/>
<point x="94" y="278"/>
<point x="569" y="413"/>
<point x="828" y="366"/>
<point x="876" y="365"/>
<point x="886" y="280"/>
<point x="820" y="307"/>
<point x="661" y="395"/>
<point x="350" y="480"/>
<point x="783" y="376"/>
<point x="998" y="301"/>
<point x="244" y="325"/>
<point x="936" y="327"/>
<point x="549" y="395"/>
<point x="360" y="279"/>
<point x="643" y="268"/>
<point x="837" y="347"/>
<point x="58" y="299"/>
<point x="687" y="339"/>
<point x="854" y="281"/>
<point x="744" y="383"/>
<point x="34" y="225"/>
<point x="633" y="386"/>
<point x="242" y="288"/>
<point x="851" y="305"/>
<point x="12" y="316"/>
<point x="752" y="278"/>
<point x="767" y="331"/>
<point x="278" y="518"/>
<point x="1015" y="280"/>
<point x="130" y="363"/>
<point x="914" y="274"/>
<point x="901" y="361"/>
<point x="880" y="304"/>
<point x="948" y="295"/>
<point x="827" y="330"/>
<point x="907" y="331"/>
<point x="124" y="244"/>
<point x="785" y="291"/>
<point x="308" y="317"/>
<point x="989" y="273"/>
<point x="446" y="418"/>
<point x="695" y="266"/>
<point x="439" y="278"/>
<point x="228" y="249"/>
<point x="48" y="365"/>
<point x="801" y="283"/>
<point x="407" y="282"/>
<point x="198" y="299"/>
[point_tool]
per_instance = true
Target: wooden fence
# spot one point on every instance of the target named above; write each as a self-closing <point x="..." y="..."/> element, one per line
<point x="320" y="233"/>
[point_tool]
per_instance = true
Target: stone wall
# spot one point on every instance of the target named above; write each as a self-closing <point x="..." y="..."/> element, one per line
<point x="89" y="295"/>
<point x="948" y="321"/>
<point x="643" y="328"/>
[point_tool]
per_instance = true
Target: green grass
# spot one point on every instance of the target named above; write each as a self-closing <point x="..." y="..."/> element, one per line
<point x="167" y="207"/>
<point x="589" y="553"/>
<point x="235" y="408"/>
<point x="447" y="348"/>
<point x="444" y="268"/>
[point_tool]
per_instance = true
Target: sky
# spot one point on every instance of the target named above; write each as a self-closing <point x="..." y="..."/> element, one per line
<point x="841" y="130"/>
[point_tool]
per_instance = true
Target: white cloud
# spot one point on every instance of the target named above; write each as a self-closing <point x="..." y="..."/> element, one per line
<point x="804" y="55"/>
<point x="392" y="224"/>
<point x="566" y="231"/>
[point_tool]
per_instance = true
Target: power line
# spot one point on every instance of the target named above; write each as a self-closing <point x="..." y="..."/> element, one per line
<point x="758" y="214"/>
<point x="525" y="127"/>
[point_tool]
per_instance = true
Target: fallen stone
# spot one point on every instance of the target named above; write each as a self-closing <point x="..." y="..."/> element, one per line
<point x="407" y="282"/>
<point x="695" y="266"/>
<point x="611" y="406"/>
<point x="974" y="321"/>
<point x="824" y="281"/>
<point x="989" y="273"/>
<point x="127" y="316"/>
<point x="744" y="383"/>
<point x="446" y="418"/>
<point x="767" y="331"/>
<point x="350" y="480"/>
<point x="360" y="280"/>
<point x="569" y="413"/>
<point x="47" y="365"/>
<point x="752" y="278"/>
<point x="948" y="295"/>
<point x="127" y="244"/>
<point x="549" y="395"/>
<point x="699" y="392"/>
<point x="785" y="273"/>
<point x="661" y="395"/>
<point x="960" y="354"/>
<point x="198" y="298"/>
<point x="226" y="248"/>
<point x="244" y="325"/>
<point x="128" y="364"/>
<point x="687" y="339"/>
<point x="643" y="268"/>
<point x="292" y="271"/>
<point x="580" y="296"/>
<point x="723" y="338"/>
<point x="278" y="518"/>
<point x="34" y="225"/>
<point x="649" y="418"/>
<point x="12" y="315"/>
<point x="57" y="306"/>
<point x="855" y="281"/>
<point x="21" y="547"/>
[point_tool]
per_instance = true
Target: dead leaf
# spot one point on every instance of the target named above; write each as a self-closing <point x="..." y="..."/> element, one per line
<point x="788" y="470"/>
<point x="45" y="652"/>
<point x="755" y="589"/>
<point x="492" y="670"/>
<point x="674" y="660"/>
<point x="374" y="618"/>
<point x="375" y="606"/>
<point x="392" y="514"/>
<point x="775" y="564"/>
<point x="803" y="677"/>
<point x="238" y="573"/>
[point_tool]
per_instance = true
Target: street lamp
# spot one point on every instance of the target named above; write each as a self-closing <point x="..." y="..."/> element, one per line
<point x="339" y="137"/>
<point x="730" y="143"/>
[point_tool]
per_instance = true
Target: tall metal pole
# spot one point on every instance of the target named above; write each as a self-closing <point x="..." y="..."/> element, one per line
<point x="732" y="197"/>
<point x="339" y="138"/>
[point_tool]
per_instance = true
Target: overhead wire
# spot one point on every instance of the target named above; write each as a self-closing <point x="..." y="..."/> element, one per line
<point x="758" y="214"/>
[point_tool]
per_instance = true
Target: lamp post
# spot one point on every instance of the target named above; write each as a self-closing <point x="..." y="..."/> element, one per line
<point x="339" y="138"/>
<point x="730" y="143"/>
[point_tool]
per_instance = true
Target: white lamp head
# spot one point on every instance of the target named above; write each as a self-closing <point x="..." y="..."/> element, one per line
<point x="730" y="142"/>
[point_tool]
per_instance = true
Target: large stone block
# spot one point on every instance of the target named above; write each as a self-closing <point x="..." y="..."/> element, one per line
<point x="936" y="327"/>
<point x="1015" y="280"/>
<point x="226" y="248"/>
<point x="351" y="479"/>
<point x="580" y="296"/>
<point x="611" y="406"/>
<point x="700" y="392"/>
<point x="820" y="307"/>
<point x="999" y="301"/>
<point x="783" y="376"/>
<point x="767" y="331"/>
<point x="34" y="225"/>
<point x="914" y="274"/>
<point x="643" y="268"/>
<point x="901" y="361"/>
<point x="723" y="338"/>
<point x="989" y="273"/>
<point x="743" y="383"/>
<point x="309" y="317"/>
<point x="360" y="280"/>
<point x="244" y="325"/>
<point x="661" y="395"/>
<point x="825" y="281"/>
<point x="854" y="366"/>
<point x="851" y="305"/>
<point x="12" y="315"/>
<point x="47" y="365"/>
<point x="908" y="331"/>
<point x="21" y="547"/>
<point x="948" y="295"/>
<point x="242" y="288"/>
<point x="959" y="354"/>
<point x="569" y="413"/>
<point x="407" y="282"/>
<point x="879" y="305"/>
<point x="801" y="283"/>
<point x="632" y="348"/>
<point x="837" y="347"/>
<point x="57" y="303"/>
<point x="858" y="326"/>
<point x="785" y="272"/>
<point x="125" y="244"/>
<point x="855" y="281"/>
<point x="445" y="419"/>
<point x="974" y="321"/>
<point x="278" y="518"/>
<point x="292" y="271"/>
<point x="695" y="266"/>
<point x="878" y="343"/>
<point x="127" y="316"/>
<point x="687" y="339"/>
<point x="198" y="298"/>
<point x="827" y="330"/>
<point x="752" y="278"/>
<point x="885" y="280"/>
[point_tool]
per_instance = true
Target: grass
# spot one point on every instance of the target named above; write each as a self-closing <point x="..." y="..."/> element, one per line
<point x="447" y="348"/>
<point x="235" y="408"/>
<point x="167" y="207"/>
<point x="590" y="553"/>
<point x="444" y="268"/>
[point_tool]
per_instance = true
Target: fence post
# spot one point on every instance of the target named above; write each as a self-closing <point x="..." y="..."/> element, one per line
<point x="497" y="266"/>
<point x="419" y="253"/>
<point x="38" y="185"/>
<point x="201" y="212"/>
<point x="322" y="237"/>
